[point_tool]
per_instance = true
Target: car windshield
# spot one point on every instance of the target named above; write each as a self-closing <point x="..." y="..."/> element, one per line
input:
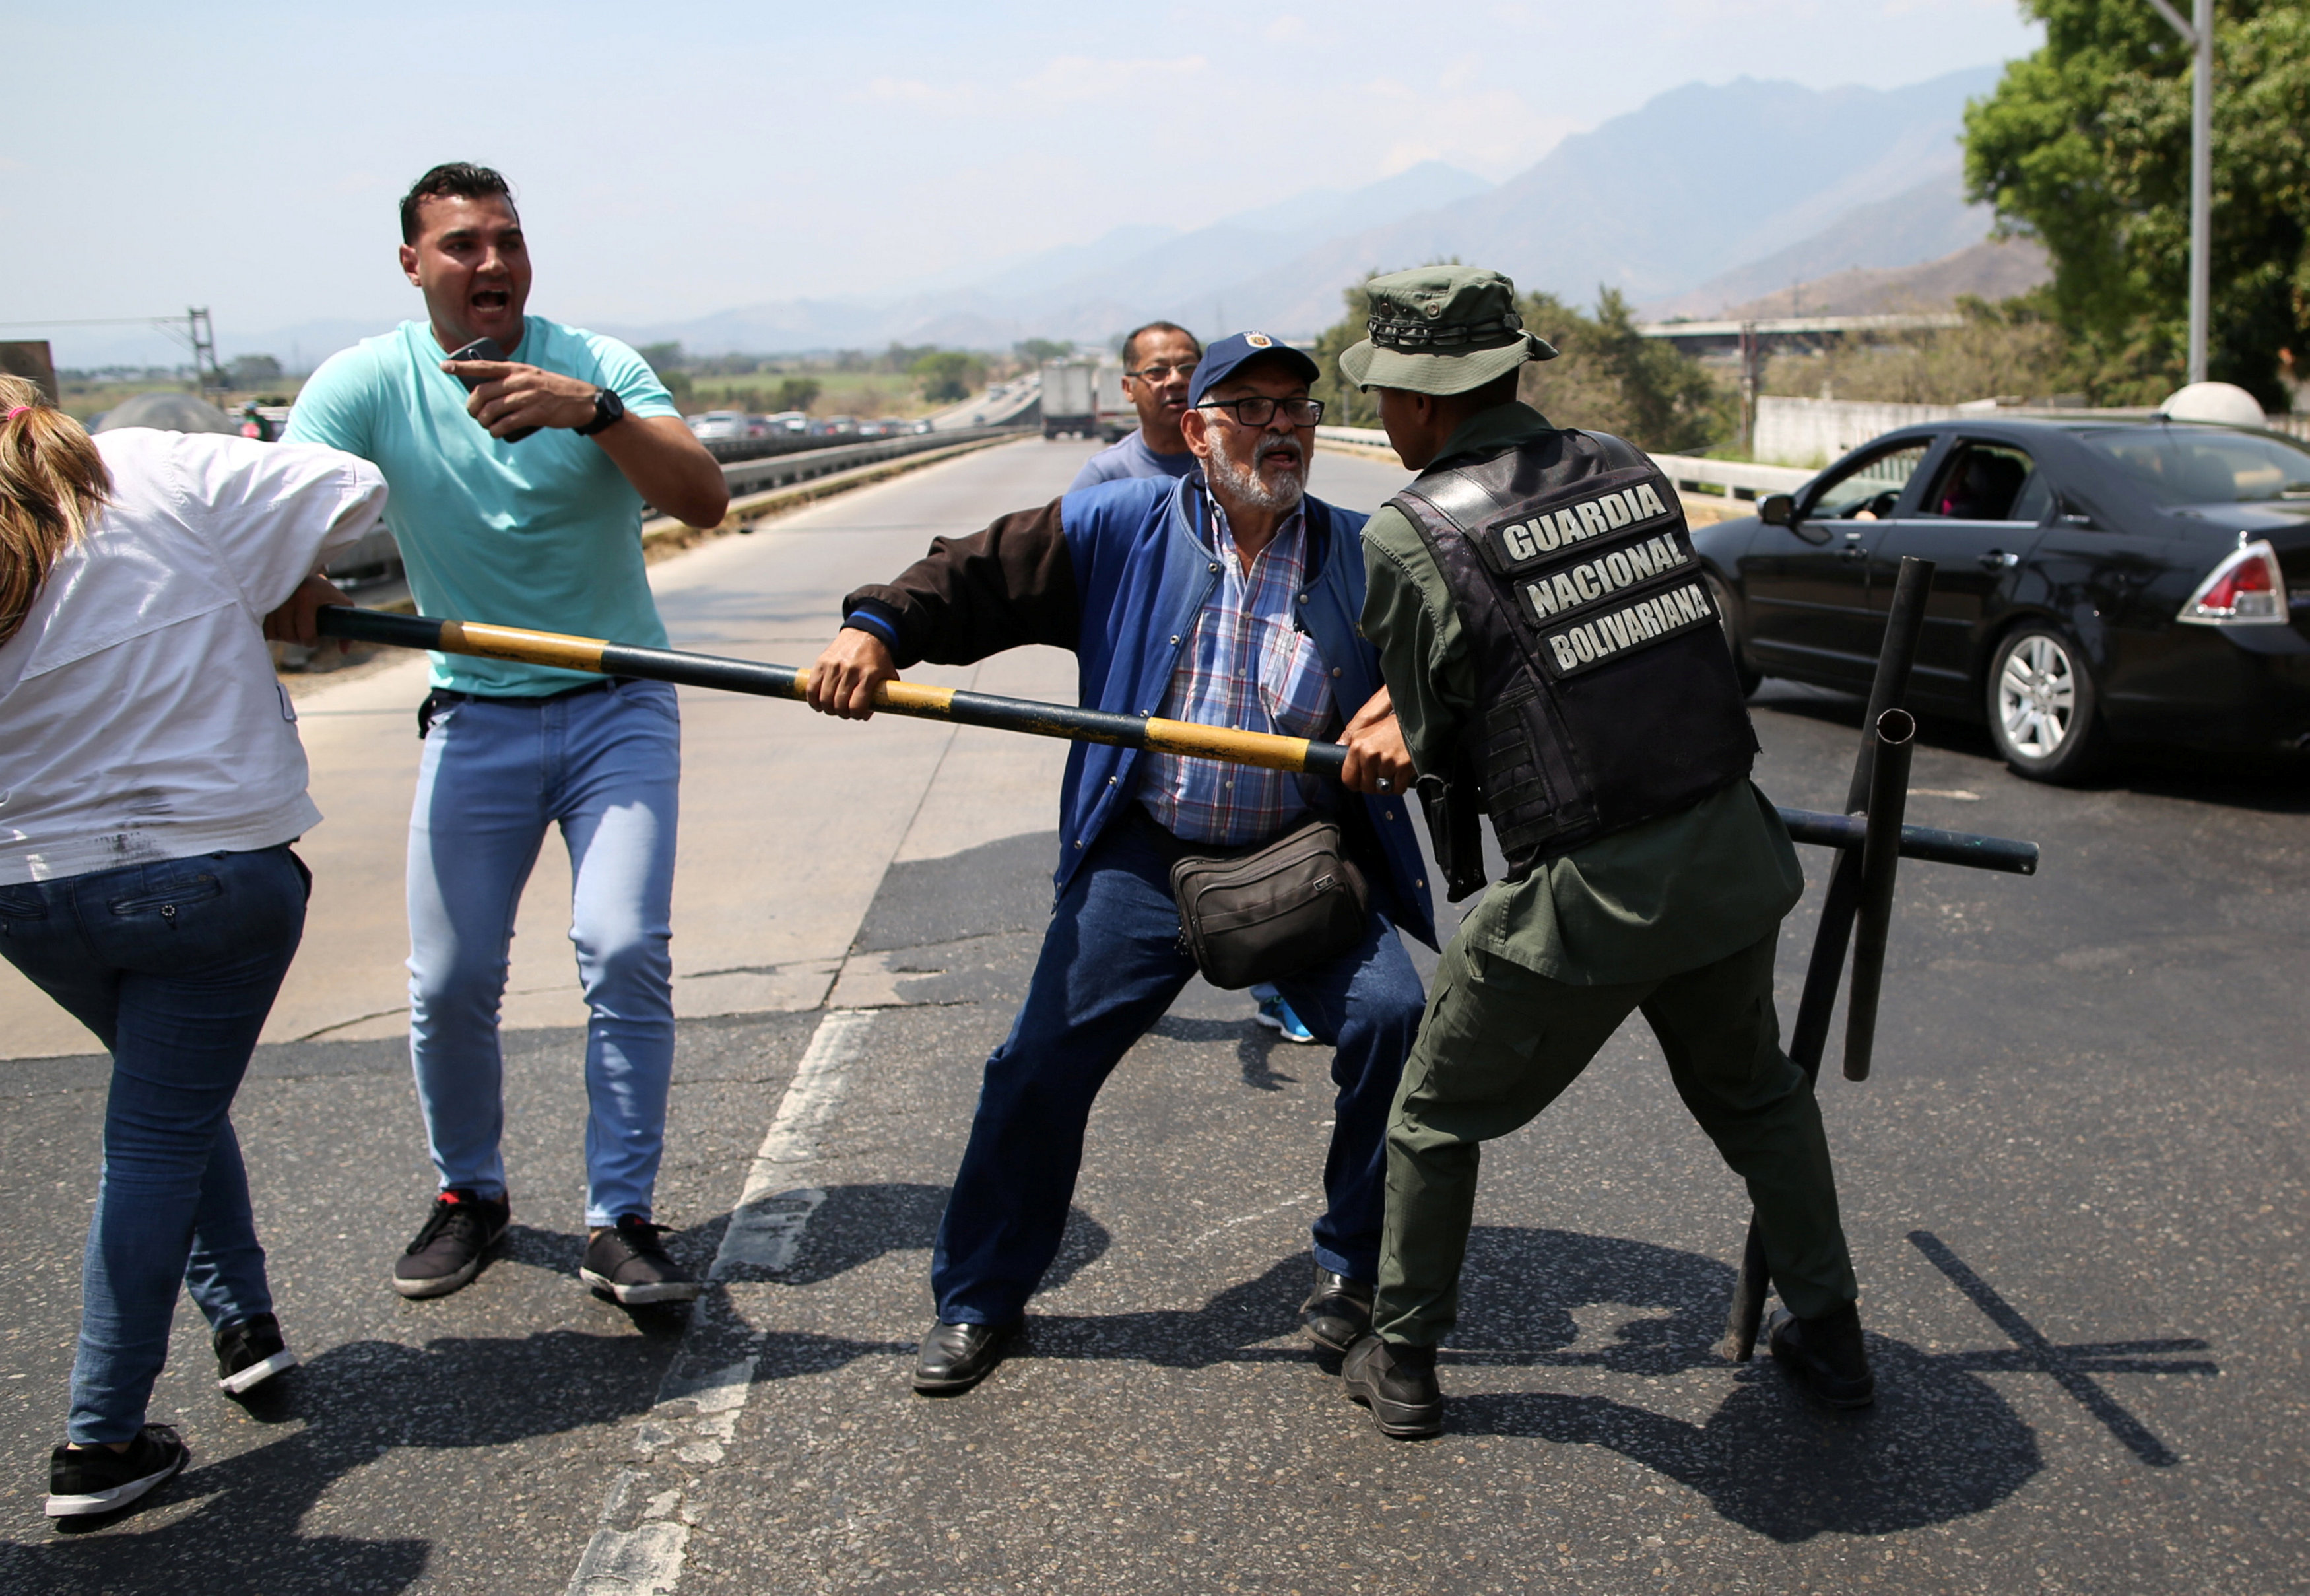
<point x="2204" y="466"/>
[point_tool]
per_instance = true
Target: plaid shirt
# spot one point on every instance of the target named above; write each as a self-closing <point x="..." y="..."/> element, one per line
<point x="1247" y="667"/>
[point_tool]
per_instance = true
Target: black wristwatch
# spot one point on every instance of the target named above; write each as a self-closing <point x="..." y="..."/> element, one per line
<point x="608" y="411"/>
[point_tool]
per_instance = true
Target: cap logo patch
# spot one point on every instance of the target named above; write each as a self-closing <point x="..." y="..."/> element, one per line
<point x="1259" y="340"/>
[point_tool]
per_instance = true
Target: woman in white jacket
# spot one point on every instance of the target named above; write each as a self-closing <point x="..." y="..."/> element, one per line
<point x="151" y="783"/>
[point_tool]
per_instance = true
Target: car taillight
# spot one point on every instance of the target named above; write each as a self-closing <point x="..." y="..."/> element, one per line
<point x="2246" y="589"/>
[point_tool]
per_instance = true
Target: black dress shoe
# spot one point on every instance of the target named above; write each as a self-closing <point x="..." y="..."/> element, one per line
<point x="1398" y="1384"/>
<point x="1338" y="1312"/>
<point x="958" y="1357"/>
<point x="1825" y="1355"/>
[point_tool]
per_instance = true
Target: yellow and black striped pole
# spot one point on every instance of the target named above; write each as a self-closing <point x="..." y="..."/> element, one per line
<point x="564" y="652"/>
<point x="785" y="681"/>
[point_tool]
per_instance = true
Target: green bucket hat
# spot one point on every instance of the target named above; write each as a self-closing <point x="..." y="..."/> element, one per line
<point x="1441" y="330"/>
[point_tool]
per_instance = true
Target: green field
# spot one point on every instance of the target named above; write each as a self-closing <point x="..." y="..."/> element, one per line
<point x="82" y="399"/>
<point x="866" y="395"/>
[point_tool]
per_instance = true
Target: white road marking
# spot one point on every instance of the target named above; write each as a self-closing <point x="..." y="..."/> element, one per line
<point x="1225" y="1224"/>
<point x="765" y="1232"/>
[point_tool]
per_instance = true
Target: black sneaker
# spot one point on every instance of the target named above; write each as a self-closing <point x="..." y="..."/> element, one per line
<point x="1826" y="1355"/>
<point x="250" y="1352"/>
<point x="447" y="1252"/>
<point x="100" y="1479"/>
<point x="629" y="1261"/>
<point x="1398" y="1384"/>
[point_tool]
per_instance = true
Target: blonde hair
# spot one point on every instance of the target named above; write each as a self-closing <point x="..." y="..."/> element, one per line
<point x="52" y="483"/>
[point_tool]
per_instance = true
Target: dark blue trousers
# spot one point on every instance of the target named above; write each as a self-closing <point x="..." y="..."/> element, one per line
<point x="1110" y="966"/>
<point x="174" y="966"/>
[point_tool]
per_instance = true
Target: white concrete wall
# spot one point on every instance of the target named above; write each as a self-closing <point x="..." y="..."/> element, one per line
<point x="1813" y="432"/>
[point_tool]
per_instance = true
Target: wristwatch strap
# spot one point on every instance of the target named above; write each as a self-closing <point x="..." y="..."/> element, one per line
<point x="608" y="410"/>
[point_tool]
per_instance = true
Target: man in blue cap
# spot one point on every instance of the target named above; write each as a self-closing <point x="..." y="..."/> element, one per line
<point x="1228" y="597"/>
<point x="1159" y="368"/>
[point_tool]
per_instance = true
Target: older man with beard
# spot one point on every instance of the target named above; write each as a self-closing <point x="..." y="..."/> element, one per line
<point x="1229" y="597"/>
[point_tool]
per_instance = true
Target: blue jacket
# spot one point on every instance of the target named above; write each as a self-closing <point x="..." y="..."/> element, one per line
<point x="1116" y="573"/>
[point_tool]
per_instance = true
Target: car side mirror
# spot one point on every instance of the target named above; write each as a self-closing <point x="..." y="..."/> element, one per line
<point x="1778" y="509"/>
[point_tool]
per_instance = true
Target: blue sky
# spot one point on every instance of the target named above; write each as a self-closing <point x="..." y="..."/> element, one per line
<point x="674" y="159"/>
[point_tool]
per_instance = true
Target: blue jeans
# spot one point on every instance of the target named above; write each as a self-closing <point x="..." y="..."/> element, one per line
<point x="1110" y="966"/>
<point x="606" y="767"/>
<point x="174" y="966"/>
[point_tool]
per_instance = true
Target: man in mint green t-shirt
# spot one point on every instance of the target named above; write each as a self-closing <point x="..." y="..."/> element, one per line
<point x="521" y="503"/>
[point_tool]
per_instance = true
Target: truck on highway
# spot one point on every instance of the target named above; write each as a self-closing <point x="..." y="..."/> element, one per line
<point x="1084" y="399"/>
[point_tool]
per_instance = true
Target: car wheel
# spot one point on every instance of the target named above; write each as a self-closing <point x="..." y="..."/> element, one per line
<point x="2043" y="714"/>
<point x="1751" y="679"/>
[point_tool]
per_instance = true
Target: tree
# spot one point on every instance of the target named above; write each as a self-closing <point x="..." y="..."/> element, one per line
<point x="1609" y="377"/>
<point x="1035" y="350"/>
<point x="2004" y="348"/>
<point x="795" y="393"/>
<point x="1606" y="375"/>
<point x="662" y="357"/>
<point x="2086" y="145"/>
<point x="948" y="376"/>
<point x="250" y="372"/>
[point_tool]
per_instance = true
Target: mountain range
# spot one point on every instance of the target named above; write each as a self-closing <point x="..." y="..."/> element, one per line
<point x="1779" y="181"/>
<point x="1706" y="196"/>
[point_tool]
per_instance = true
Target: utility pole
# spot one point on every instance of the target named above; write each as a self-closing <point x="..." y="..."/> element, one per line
<point x="2199" y="35"/>
<point x="202" y="338"/>
<point x="1752" y="352"/>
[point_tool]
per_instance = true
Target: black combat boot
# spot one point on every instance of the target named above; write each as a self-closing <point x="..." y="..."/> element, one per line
<point x="1398" y="1384"/>
<point x="1824" y="1356"/>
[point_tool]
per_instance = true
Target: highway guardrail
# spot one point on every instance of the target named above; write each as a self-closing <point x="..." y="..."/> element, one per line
<point x="779" y="471"/>
<point x="1693" y="474"/>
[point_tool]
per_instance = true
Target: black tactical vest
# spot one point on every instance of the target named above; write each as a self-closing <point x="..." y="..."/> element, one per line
<point x="1609" y="697"/>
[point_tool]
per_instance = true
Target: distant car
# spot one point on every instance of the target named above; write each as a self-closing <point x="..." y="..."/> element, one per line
<point x="788" y="421"/>
<point x="719" y="426"/>
<point x="922" y="426"/>
<point x="2096" y="582"/>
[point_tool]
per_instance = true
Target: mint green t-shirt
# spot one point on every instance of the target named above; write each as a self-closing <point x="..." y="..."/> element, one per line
<point x="546" y="532"/>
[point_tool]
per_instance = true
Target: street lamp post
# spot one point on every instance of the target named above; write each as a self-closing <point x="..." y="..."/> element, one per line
<point x="2199" y="35"/>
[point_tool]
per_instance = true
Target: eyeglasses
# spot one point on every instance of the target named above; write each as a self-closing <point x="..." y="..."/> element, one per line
<point x="1159" y="373"/>
<point x="1258" y="410"/>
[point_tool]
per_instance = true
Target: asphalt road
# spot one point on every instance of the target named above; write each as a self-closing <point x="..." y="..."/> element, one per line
<point x="2076" y="1189"/>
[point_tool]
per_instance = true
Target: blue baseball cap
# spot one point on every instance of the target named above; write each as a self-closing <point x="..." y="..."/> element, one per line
<point x="1239" y="349"/>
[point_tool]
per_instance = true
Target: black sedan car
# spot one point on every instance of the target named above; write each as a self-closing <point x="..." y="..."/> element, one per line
<point x="2097" y="582"/>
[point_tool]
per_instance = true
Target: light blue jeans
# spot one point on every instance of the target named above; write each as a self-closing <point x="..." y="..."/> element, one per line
<point x="174" y="966"/>
<point x="606" y="767"/>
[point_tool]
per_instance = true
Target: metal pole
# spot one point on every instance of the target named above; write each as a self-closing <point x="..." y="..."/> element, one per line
<point x="2199" y="35"/>
<point x="1905" y="622"/>
<point x="2202" y="189"/>
<point x="1749" y="384"/>
<point x="1889" y="796"/>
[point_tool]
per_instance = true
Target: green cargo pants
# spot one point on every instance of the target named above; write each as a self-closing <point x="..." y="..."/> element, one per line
<point x="1500" y="1042"/>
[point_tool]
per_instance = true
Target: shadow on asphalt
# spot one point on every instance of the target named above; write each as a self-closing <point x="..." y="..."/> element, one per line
<point x="1940" y="1444"/>
<point x="360" y="1401"/>
<point x="856" y="1225"/>
<point x="1255" y="1046"/>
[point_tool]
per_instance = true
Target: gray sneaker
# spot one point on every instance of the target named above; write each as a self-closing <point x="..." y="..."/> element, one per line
<point x="450" y="1247"/>
<point x="629" y="1261"/>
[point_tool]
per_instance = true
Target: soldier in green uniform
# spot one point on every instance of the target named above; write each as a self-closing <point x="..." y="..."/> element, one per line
<point x="1555" y="658"/>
